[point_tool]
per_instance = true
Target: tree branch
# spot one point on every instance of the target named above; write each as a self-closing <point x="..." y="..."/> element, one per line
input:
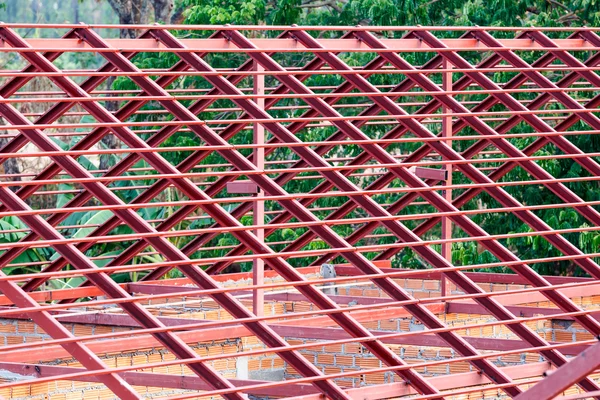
<point x="559" y="4"/>
<point x="319" y="4"/>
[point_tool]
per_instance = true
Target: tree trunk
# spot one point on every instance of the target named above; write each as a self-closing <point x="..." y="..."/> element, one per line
<point x="11" y="167"/>
<point x="75" y="5"/>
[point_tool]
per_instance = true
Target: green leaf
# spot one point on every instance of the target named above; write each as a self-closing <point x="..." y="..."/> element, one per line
<point x="96" y="218"/>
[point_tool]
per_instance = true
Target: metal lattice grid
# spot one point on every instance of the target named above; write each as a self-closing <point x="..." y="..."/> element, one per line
<point x="351" y="172"/>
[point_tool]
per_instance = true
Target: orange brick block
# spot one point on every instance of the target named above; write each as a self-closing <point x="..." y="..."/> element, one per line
<point x="369" y="362"/>
<point x="562" y="336"/>
<point x="374" y="379"/>
<point x="25" y="327"/>
<point x="84" y="330"/>
<point x="333" y="348"/>
<point x="20" y="391"/>
<point x="352" y="348"/>
<point x="15" y="340"/>
<point x="8" y="328"/>
<point x="332" y="370"/>
<point x="431" y="285"/>
<point x="344" y="361"/>
<point x="325" y="359"/>
<point x="278" y="363"/>
<point x="458" y="367"/>
<point x="389" y="324"/>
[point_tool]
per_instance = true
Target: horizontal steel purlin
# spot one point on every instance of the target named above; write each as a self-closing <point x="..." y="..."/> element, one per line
<point x="522" y="330"/>
<point x="355" y="175"/>
<point x="391" y="289"/>
<point x="285" y="270"/>
<point x="381" y="181"/>
<point x="269" y="337"/>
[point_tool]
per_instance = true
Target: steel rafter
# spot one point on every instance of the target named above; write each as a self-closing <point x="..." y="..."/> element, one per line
<point x="339" y="180"/>
<point x="331" y="192"/>
<point x="77" y="258"/>
<point x="270" y="187"/>
<point x="363" y="85"/>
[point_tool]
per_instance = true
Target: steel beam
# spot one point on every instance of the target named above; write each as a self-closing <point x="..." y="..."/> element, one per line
<point x="340" y="181"/>
<point x="270" y="187"/>
<point x="362" y="84"/>
<point x="284" y="45"/>
<point x="560" y="380"/>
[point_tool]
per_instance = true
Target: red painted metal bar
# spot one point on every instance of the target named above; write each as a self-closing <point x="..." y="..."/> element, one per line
<point x="234" y="157"/>
<point x="370" y="40"/>
<point x="153" y="379"/>
<point x="390" y="287"/>
<point x="561" y="379"/>
<point x="188" y="382"/>
<point x="337" y="182"/>
<point x="271" y="187"/>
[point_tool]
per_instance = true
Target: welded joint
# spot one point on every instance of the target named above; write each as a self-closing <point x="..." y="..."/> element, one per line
<point x="242" y="187"/>
<point x="429" y="173"/>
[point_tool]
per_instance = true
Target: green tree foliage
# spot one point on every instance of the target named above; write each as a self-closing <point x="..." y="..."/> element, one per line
<point x="393" y="12"/>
